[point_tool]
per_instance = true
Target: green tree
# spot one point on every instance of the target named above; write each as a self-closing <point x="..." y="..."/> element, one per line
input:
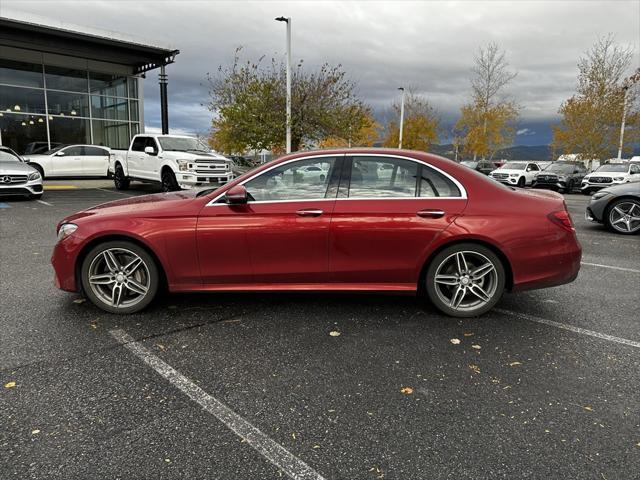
<point x="248" y="102"/>
<point x="590" y="124"/>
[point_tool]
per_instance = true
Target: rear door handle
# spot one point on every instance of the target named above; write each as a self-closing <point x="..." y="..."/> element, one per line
<point x="309" y="212"/>
<point x="431" y="213"/>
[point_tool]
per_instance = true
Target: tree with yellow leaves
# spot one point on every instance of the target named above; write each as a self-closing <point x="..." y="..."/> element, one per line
<point x="363" y="131"/>
<point x="590" y="124"/>
<point x="421" y="124"/>
<point x="487" y="122"/>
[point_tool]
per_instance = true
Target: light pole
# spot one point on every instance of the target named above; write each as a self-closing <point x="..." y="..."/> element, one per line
<point x="288" y="22"/>
<point x="629" y="82"/>
<point x="401" y="117"/>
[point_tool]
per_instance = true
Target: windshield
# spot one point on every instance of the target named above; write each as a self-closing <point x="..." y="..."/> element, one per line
<point x="8" y="157"/>
<point x="515" y="165"/>
<point x="613" y="167"/>
<point x="560" y="168"/>
<point x="183" y="144"/>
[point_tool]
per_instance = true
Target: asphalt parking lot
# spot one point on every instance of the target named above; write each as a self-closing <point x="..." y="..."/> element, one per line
<point x="257" y="386"/>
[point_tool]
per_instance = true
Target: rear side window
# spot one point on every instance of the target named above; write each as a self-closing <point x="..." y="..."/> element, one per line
<point x="379" y="177"/>
<point x="434" y="184"/>
<point x="95" y="152"/>
<point x="138" y="144"/>
<point x="73" y="151"/>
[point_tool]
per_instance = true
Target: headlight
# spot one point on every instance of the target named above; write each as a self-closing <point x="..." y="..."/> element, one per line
<point x="514" y="174"/>
<point x="562" y="178"/>
<point x="618" y="179"/>
<point x="183" y="165"/>
<point x="598" y="195"/>
<point x="66" y="229"/>
<point x="34" y="176"/>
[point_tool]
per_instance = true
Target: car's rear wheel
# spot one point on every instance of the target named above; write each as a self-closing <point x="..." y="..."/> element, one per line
<point x="169" y="183"/>
<point x="119" y="277"/>
<point x="623" y="216"/>
<point x="120" y="180"/>
<point x="465" y="280"/>
<point x="521" y="182"/>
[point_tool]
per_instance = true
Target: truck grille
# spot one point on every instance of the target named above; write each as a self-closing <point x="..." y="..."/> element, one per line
<point x="600" y="180"/>
<point x="501" y="176"/>
<point x="208" y="167"/>
<point x="12" y="179"/>
<point x="547" y="178"/>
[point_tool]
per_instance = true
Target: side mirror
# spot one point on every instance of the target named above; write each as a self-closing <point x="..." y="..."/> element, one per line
<point x="236" y="195"/>
<point x="149" y="151"/>
<point x="60" y="154"/>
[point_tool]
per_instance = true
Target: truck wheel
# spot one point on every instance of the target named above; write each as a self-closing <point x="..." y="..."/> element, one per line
<point x="169" y="183"/>
<point x="120" y="180"/>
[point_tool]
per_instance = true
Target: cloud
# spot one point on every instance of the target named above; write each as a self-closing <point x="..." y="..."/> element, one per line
<point x="381" y="44"/>
<point x="525" y="132"/>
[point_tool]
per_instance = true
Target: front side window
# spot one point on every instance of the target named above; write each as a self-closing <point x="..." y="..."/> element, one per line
<point x="138" y="144"/>
<point x="300" y="180"/>
<point x="379" y="177"/>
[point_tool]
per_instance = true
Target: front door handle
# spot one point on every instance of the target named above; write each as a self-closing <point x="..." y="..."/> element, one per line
<point x="309" y="212"/>
<point x="431" y="213"/>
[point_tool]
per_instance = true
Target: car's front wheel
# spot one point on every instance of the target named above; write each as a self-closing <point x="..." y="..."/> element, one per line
<point x="119" y="277"/>
<point x="623" y="216"/>
<point x="465" y="280"/>
<point x="169" y="182"/>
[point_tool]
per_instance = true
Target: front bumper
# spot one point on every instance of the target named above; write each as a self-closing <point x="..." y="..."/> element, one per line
<point x="187" y="180"/>
<point x="33" y="187"/>
<point x="550" y="186"/>
<point x="507" y="181"/>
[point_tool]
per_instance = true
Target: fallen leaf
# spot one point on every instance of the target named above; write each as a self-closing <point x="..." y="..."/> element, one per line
<point x="334" y="333"/>
<point x="167" y="460"/>
<point x="475" y="368"/>
<point x="161" y="347"/>
<point x="513" y="364"/>
<point x="35" y="432"/>
<point x="316" y="446"/>
<point x="79" y="300"/>
<point x="455" y="341"/>
<point x="10" y="385"/>
<point x="588" y="408"/>
<point x="407" y="390"/>
<point x="469" y="334"/>
<point x="293" y="435"/>
<point x="477" y="347"/>
<point x="232" y="320"/>
<point x="638" y="444"/>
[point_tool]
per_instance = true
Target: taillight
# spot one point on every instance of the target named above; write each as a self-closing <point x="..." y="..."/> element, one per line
<point x="562" y="219"/>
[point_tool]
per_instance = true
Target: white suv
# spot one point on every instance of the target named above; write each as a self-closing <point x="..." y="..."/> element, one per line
<point x="517" y="174"/>
<point x="610" y="174"/>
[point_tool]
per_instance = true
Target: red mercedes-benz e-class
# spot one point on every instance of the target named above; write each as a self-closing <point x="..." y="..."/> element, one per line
<point x="357" y="219"/>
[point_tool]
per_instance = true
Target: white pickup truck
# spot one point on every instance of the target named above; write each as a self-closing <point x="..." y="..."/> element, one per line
<point x="175" y="162"/>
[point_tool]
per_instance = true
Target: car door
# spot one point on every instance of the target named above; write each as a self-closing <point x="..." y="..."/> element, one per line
<point x="381" y="227"/>
<point x="67" y="162"/>
<point x="95" y="160"/>
<point x="150" y="161"/>
<point x="634" y="171"/>
<point x="531" y="172"/>
<point x="135" y="156"/>
<point x="281" y="236"/>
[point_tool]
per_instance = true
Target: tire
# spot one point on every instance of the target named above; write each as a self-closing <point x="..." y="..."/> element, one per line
<point x="618" y="212"/>
<point x="521" y="182"/>
<point x="169" y="183"/>
<point x="120" y="180"/>
<point x="474" y="296"/>
<point x="137" y="288"/>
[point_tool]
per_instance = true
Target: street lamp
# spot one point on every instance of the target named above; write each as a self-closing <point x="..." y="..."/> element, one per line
<point x="628" y="83"/>
<point x="401" y="117"/>
<point x="288" y="22"/>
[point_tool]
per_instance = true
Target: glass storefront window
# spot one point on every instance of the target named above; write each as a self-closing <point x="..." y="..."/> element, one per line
<point x="111" y="134"/>
<point x="69" y="130"/>
<point x="21" y="74"/>
<point x="133" y="87"/>
<point x="133" y="108"/>
<point x="109" y="107"/>
<point x="106" y="84"/>
<point x="21" y="100"/>
<point x="68" y="104"/>
<point x="18" y="131"/>
<point x="66" y="79"/>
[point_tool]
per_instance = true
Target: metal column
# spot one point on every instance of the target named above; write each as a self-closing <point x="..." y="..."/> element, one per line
<point x="164" y="108"/>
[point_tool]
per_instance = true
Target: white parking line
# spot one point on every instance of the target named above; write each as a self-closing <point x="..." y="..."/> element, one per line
<point x="611" y="267"/>
<point x="44" y="203"/>
<point x="114" y="191"/>
<point x="571" y="328"/>
<point x="286" y="461"/>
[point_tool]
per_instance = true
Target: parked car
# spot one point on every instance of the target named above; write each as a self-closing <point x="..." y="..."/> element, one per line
<point x="482" y="166"/>
<point x="610" y="174"/>
<point x="517" y="174"/>
<point x="433" y="227"/>
<point x="174" y="162"/>
<point x="561" y="176"/>
<point x="39" y="147"/>
<point x="72" y="161"/>
<point x="17" y="177"/>
<point x="617" y="207"/>
<point x="543" y="165"/>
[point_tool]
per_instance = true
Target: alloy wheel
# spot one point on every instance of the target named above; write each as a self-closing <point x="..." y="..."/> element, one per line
<point x="466" y="281"/>
<point x="625" y="217"/>
<point x="119" y="278"/>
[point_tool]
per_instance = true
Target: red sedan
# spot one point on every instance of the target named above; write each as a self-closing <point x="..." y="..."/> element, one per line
<point x="358" y="219"/>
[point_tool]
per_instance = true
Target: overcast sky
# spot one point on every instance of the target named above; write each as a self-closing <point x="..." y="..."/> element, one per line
<point x="381" y="44"/>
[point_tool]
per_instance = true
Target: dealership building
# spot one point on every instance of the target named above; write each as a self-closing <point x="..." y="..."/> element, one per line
<point x="59" y="85"/>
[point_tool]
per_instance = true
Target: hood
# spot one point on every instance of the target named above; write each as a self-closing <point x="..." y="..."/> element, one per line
<point x="605" y="172"/>
<point x="155" y="200"/>
<point x="631" y="188"/>
<point x="508" y="170"/>
<point x="15" y="168"/>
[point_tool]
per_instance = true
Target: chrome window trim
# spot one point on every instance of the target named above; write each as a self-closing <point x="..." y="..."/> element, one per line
<point x="463" y="191"/>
